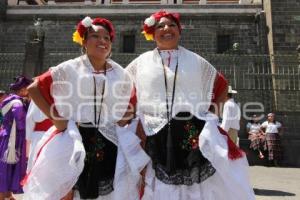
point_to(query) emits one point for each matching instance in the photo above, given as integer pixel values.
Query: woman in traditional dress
(37, 124)
(256, 136)
(272, 129)
(95, 92)
(12, 139)
(191, 158)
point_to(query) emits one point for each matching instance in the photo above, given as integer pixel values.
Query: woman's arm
(219, 93)
(248, 126)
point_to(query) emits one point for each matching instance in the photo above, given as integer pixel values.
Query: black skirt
(176, 158)
(99, 166)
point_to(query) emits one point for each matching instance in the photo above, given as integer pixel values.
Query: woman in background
(256, 136)
(37, 124)
(12, 139)
(272, 129)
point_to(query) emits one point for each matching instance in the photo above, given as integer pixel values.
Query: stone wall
(286, 25)
(3, 6)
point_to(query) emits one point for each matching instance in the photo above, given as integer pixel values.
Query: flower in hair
(87, 22)
(150, 21)
(77, 38)
(81, 28)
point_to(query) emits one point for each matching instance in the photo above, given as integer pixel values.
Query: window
(128, 43)
(223, 43)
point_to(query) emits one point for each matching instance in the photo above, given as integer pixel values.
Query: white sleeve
(226, 115)
(248, 126)
(264, 125)
(278, 125)
(131, 69)
(29, 121)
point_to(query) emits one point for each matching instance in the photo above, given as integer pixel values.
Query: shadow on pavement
(265, 192)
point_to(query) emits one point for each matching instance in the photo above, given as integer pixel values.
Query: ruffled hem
(57, 167)
(230, 182)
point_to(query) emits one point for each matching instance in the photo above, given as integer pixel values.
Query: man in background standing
(231, 116)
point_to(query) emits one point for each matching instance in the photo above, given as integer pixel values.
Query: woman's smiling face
(166, 34)
(98, 44)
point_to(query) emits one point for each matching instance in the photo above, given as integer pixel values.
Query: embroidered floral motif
(97, 150)
(191, 137)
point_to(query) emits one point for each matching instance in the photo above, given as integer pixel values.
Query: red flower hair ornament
(149, 23)
(88, 22)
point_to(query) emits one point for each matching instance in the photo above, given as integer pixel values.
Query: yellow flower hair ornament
(82, 27)
(77, 38)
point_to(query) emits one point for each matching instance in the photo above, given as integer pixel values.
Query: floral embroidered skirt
(188, 165)
(99, 166)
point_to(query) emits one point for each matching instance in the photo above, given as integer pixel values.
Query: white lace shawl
(193, 93)
(73, 93)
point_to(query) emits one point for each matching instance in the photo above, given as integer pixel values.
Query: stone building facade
(210, 28)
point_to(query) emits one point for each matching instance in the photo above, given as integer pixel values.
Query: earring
(109, 55)
(83, 50)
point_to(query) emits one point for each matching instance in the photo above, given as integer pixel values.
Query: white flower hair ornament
(150, 21)
(149, 28)
(96, 23)
(87, 22)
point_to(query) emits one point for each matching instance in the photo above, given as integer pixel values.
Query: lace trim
(74, 97)
(185, 176)
(148, 75)
(106, 187)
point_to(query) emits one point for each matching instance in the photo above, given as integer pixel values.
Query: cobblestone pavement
(272, 183)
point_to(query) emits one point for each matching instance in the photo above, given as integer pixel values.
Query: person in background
(256, 136)
(231, 116)
(37, 124)
(12, 139)
(272, 129)
(191, 158)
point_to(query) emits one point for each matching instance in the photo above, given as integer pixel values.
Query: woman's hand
(60, 124)
(69, 196)
(141, 134)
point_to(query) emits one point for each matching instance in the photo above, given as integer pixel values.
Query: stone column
(106, 2)
(34, 50)
(298, 50)
(202, 2)
(245, 2)
(22, 3)
(163, 1)
(257, 1)
(88, 2)
(3, 7)
(51, 2)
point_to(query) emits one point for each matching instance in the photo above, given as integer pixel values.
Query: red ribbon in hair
(98, 21)
(160, 14)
